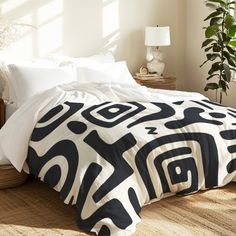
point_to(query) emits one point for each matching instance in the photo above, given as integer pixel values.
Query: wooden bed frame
(9, 176)
(2, 113)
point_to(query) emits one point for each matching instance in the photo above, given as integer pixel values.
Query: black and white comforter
(112, 158)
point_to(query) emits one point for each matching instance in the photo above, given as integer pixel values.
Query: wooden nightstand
(167, 82)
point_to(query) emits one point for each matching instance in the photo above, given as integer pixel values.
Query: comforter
(110, 150)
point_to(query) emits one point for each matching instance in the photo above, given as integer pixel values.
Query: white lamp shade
(157, 36)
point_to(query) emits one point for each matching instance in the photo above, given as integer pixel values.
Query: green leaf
(232, 43)
(211, 86)
(209, 77)
(231, 62)
(221, 2)
(213, 14)
(225, 37)
(221, 9)
(226, 54)
(214, 67)
(204, 63)
(211, 6)
(216, 20)
(223, 85)
(231, 50)
(229, 21)
(208, 48)
(211, 31)
(206, 42)
(232, 31)
(227, 72)
(216, 48)
(233, 58)
(212, 56)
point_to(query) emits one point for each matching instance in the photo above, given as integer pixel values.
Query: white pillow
(52, 60)
(26, 81)
(8, 93)
(116, 72)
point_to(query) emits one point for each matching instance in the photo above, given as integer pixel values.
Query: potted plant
(220, 45)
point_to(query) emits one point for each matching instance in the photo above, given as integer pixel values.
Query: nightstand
(167, 82)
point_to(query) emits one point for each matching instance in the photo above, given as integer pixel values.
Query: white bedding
(10, 109)
(15, 134)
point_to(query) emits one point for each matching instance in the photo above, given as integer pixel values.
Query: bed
(110, 146)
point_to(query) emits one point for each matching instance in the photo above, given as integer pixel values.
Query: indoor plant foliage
(220, 45)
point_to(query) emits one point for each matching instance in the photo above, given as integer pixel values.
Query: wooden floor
(34, 209)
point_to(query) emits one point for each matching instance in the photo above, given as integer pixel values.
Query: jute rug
(34, 209)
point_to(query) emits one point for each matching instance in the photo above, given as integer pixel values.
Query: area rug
(34, 209)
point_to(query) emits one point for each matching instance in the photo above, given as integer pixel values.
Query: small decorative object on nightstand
(155, 81)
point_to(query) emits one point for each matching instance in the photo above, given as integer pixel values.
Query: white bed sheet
(16, 133)
(10, 109)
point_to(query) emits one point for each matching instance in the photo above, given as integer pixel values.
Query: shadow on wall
(54, 20)
(46, 16)
(82, 28)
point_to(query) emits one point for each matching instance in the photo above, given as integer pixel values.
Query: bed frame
(2, 113)
(9, 176)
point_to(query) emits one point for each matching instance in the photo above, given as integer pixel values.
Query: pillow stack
(27, 79)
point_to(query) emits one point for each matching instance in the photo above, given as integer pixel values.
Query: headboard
(2, 113)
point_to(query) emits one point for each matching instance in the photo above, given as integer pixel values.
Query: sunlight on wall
(48, 17)
(50, 27)
(11, 5)
(23, 48)
(50, 37)
(111, 24)
(110, 18)
(46, 35)
(47, 12)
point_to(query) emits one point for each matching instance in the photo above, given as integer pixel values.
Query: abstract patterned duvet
(112, 158)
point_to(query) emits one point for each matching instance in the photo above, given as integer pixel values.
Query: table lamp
(154, 38)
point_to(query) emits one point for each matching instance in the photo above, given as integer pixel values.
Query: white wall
(85, 27)
(196, 76)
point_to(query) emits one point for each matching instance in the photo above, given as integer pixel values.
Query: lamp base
(156, 66)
